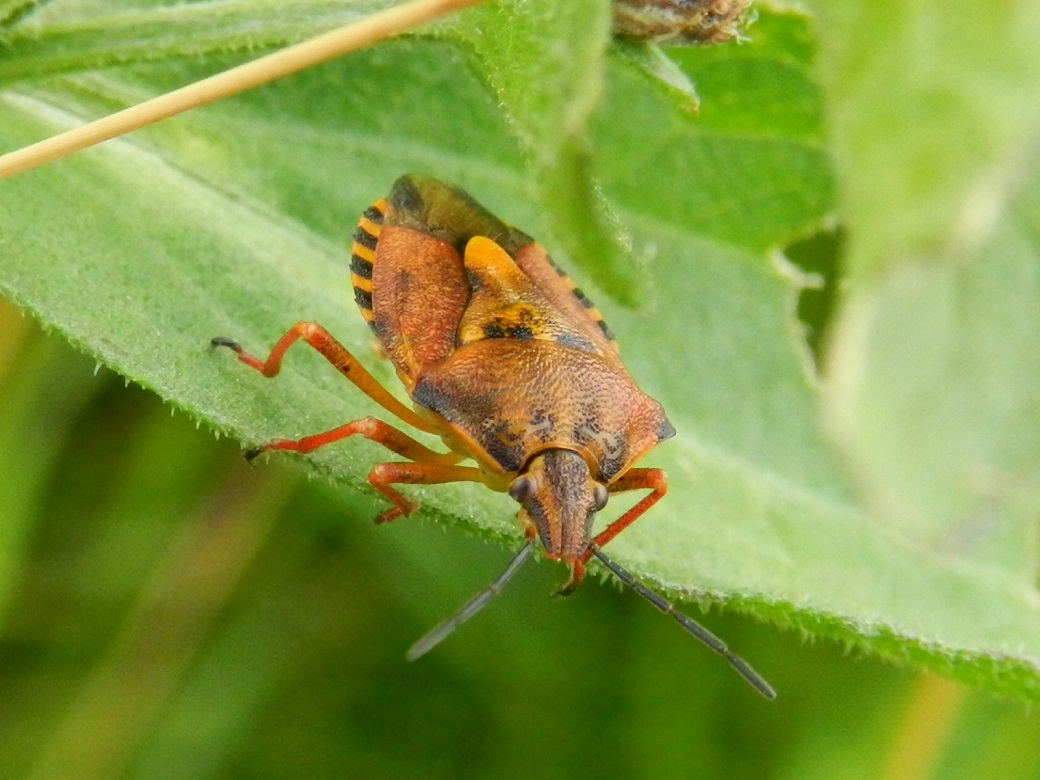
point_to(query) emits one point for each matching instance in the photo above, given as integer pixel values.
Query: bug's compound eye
(599, 497)
(522, 489)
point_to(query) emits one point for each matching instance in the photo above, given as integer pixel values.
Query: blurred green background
(170, 612)
(167, 611)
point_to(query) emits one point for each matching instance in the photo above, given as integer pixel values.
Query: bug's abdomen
(363, 256)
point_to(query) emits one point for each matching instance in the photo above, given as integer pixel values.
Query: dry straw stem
(283, 62)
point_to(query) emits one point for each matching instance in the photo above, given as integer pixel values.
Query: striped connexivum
(363, 254)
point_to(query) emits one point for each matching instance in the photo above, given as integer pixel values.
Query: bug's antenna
(471, 608)
(711, 641)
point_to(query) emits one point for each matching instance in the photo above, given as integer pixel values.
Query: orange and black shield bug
(511, 366)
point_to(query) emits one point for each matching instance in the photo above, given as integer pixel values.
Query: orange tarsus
(383, 475)
(653, 479)
(327, 345)
(577, 575)
(339, 356)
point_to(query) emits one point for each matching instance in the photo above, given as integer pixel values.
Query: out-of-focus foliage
(857, 462)
(170, 612)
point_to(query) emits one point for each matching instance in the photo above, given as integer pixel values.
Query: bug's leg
(428, 467)
(383, 475)
(653, 480)
(338, 355)
(373, 430)
(577, 575)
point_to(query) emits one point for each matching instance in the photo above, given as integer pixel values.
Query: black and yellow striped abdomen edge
(363, 255)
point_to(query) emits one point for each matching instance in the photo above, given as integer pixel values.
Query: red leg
(577, 575)
(373, 430)
(426, 466)
(383, 475)
(653, 480)
(334, 352)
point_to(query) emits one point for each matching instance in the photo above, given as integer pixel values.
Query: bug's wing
(448, 213)
(410, 287)
(453, 216)
(419, 293)
(506, 304)
(566, 296)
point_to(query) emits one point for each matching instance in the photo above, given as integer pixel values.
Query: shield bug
(511, 366)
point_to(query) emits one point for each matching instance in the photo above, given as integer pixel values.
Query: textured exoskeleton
(506, 359)
(511, 365)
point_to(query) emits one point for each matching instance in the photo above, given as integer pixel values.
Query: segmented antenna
(711, 641)
(471, 608)
(442, 631)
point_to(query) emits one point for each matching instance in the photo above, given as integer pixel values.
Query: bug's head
(559, 498)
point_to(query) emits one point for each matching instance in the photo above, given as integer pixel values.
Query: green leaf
(72, 36)
(663, 70)
(234, 221)
(933, 395)
(934, 114)
(543, 60)
(942, 425)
